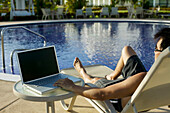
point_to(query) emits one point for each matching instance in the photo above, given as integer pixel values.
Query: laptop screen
(38, 63)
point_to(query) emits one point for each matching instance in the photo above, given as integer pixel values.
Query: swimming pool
(93, 42)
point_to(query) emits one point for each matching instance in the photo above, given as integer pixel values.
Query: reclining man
(118, 91)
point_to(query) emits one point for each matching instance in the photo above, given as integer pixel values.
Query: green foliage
(38, 5)
(72, 5)
(134, 2)
(57, 2)
(5, 6)
(114, 2)
(146, 4)
(5, 3)
(48, 5)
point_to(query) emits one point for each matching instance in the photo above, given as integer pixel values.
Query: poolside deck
(11, 104)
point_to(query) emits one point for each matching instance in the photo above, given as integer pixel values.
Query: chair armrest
(104, 105)
(91, 85)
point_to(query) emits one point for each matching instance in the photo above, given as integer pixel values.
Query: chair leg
(134, 108)
(95, 105)
(70, 106)
(42, 17)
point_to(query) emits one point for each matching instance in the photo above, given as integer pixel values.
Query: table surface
(57, 94)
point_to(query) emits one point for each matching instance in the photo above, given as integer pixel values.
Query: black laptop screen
(38, 63)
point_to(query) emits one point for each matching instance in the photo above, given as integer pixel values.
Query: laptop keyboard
(51, 80)
(43, 82)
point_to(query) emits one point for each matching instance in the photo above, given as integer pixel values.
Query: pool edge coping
(5, 24)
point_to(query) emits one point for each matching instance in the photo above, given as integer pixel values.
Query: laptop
(39, 69)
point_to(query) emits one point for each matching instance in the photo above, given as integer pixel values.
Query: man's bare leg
(86, 77)
(127, 52)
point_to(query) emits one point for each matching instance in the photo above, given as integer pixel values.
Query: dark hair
(165, 35)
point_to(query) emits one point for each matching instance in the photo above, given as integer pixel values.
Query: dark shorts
(132, 67)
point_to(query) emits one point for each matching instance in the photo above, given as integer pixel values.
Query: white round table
(56, 95)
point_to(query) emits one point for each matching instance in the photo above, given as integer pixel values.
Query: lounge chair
(114, 12)
(100, 71)
(104, 12)
(89, 12)
(149, 14)
(46, 13)
(139, 11)
(60, 13)
(18, 9)
(153, 91)
(66, 13)
(130, 12)
(79, 12)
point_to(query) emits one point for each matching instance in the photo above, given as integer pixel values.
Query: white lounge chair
(89, 12)
(104, 12)
(130, 12)
(46, 13)
(60, 13)
(139, 11)
(79, 12)
(18, 9)
(153, 91)
(114, 12)
(149, 14)
(66, 13)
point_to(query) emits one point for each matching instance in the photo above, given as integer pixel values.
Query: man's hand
(111, 76)
(65, 84)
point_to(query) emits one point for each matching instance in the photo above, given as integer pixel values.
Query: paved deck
(11, 104)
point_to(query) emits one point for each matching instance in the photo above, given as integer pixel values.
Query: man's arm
(119, 90)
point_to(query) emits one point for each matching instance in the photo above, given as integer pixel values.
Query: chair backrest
(60, 11)
(153, 91)
(45, 11)
(153, 10)
(20, 4)
(139, 10)
(79, 12)
(66, 11)
(88, 10)
(114, 11)
(105, 10)
(130, 9)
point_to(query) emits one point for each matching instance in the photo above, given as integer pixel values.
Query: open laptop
(39, 69)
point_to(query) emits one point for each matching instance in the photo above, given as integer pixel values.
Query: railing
(11, 59)
(2, 43)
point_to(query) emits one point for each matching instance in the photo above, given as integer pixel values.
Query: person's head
(163, 40)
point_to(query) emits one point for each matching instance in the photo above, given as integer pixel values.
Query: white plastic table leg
(70, 106)
(50, 104)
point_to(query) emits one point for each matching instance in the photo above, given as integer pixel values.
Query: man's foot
(78, 66)
(86, 77)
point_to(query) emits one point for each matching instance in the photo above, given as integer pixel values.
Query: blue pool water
(92, 42)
